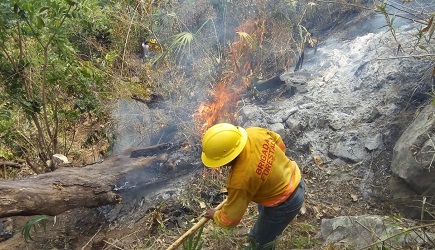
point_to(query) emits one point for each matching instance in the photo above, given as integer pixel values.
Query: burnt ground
(332, 190)
(153, 219)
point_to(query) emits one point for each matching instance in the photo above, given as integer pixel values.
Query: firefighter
(260, 172)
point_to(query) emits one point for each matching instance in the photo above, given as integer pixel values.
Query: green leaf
(40, 22)
(44, 9)
(74, 14)
(380, 8)
(392, 20)
(198, 241)
(423, 47)
(39, 220)
(194, 245)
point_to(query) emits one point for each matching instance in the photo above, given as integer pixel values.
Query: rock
(374, 114)
(307, 105)
(283, 115)
(252, 112)
(273, 82)
(59, 159)
(337, 120)
(414, 152)
(298, 77)
(277, 128)
(373, 143)
(295, 125)
(361, 231)
(6, 229)
(350, 147)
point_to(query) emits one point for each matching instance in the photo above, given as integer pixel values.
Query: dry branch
(397, 234)
(10, 164)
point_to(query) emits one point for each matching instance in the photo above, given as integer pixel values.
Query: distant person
(260, 172)
(145, 50)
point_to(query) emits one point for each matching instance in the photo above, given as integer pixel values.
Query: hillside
(340, 114)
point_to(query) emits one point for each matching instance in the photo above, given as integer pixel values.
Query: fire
(225, 94)
(221, 107)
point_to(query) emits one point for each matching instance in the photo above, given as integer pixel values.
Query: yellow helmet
(222, 143)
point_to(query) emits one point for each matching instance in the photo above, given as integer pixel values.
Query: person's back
(260, 172)
(263, 169)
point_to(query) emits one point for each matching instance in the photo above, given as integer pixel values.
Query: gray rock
(296, 77)
(361, 231)
(277, 128)
(306, 105)
(350, 148)
(338, 120)
(295, 125)
(374, 142)
(414, 152)
(6, 229)
(252, 112)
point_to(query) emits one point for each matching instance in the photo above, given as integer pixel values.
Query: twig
(368, 229)
(397, 234)
(423, 208)
(366, 8)
(127, 37)
(128, 235)
(10, 164)
(401, 57)
(433, 156)
(113, 245)
(428, 238)
(89, 241)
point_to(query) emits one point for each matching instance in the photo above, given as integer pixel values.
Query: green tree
(46, 88)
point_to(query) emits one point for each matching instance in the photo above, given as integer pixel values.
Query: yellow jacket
(261, 173)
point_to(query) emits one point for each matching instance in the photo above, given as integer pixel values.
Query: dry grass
(159, 233)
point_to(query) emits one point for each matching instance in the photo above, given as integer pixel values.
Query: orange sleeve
(232, 211)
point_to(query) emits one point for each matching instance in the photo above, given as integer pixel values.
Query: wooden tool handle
(193, 229)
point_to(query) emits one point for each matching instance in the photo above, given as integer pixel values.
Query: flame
(226, 93)
(221, 107)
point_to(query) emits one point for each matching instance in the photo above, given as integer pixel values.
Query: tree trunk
(70, 187)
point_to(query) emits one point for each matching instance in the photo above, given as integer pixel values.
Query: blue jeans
(272, 221)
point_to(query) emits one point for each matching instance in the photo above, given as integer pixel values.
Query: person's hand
(209, 213)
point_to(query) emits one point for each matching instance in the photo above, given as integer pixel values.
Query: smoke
(199, 70)
(220, 59)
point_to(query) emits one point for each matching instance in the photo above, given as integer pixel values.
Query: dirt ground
(332, 190)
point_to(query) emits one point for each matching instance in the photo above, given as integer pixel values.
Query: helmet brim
(222, 161)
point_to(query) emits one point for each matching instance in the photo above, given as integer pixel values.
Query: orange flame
(222, 106)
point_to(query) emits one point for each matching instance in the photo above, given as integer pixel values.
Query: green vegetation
(35, 222)
(64, 63)
(47, 88)
(194, 242)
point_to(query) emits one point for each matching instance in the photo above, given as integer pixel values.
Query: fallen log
(69, 187)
